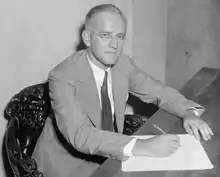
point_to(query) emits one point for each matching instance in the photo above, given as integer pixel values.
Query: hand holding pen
(157, 146)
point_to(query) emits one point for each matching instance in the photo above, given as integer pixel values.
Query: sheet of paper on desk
(190, 156)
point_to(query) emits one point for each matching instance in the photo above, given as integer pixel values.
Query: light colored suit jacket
(75, 101)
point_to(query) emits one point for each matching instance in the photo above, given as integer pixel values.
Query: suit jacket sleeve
(76, 127)
(150, 90)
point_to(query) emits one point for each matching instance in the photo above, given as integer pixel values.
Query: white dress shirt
(99, 77)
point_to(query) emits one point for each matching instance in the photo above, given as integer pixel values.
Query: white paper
(190, 156)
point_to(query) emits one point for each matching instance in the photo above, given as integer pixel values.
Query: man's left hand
(196, 126)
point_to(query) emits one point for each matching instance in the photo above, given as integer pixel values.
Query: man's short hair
(103, 8)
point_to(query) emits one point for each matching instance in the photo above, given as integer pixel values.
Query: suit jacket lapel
(86, 91)
(120, 91)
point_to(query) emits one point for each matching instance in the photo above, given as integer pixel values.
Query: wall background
(193, 38)
(170, 39)
(150, 36)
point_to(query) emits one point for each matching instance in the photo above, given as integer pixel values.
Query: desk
(203, 88)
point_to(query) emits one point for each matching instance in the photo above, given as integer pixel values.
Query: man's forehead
(108, 20)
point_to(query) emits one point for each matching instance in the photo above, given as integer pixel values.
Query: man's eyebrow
(110, 32)
(121, 34)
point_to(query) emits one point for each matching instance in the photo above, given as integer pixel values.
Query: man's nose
(114, 42)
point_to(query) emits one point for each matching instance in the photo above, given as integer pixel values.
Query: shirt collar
(98, 72)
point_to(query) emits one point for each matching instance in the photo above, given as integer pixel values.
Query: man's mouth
(111, 52)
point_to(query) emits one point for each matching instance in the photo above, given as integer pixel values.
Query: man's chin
(113, 62)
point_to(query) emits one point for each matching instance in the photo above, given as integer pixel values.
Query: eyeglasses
(107, 37)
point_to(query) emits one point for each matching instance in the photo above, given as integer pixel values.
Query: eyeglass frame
(107, 36)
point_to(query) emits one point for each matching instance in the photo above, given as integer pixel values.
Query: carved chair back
(26, 113)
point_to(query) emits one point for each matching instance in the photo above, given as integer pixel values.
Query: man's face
(106, 38)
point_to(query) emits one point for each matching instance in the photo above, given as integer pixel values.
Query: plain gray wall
(193, 38)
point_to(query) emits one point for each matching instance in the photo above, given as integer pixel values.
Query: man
(92, 85)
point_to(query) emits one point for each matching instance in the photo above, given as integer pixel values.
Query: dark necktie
(107, 123)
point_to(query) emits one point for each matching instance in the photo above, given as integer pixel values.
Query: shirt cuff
(128, 148)
(197, 110)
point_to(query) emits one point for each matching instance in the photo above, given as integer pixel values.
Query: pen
(158, 128)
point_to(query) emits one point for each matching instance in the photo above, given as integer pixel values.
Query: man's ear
(86, 37)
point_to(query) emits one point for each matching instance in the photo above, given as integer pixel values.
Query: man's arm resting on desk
(150, 90)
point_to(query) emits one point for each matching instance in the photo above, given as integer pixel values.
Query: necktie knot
(105, 80)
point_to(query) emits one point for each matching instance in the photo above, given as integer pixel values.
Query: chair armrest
(20, 165)
(132, 123)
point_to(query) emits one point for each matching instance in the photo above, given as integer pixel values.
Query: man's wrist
(129, 147)
(190, 113)
(194, 111)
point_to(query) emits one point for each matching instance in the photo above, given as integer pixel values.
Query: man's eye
(121, 37)
(107, 36)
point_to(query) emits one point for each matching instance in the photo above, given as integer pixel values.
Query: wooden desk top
(203, 88)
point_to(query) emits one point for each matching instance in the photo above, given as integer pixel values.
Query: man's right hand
(157, 146)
